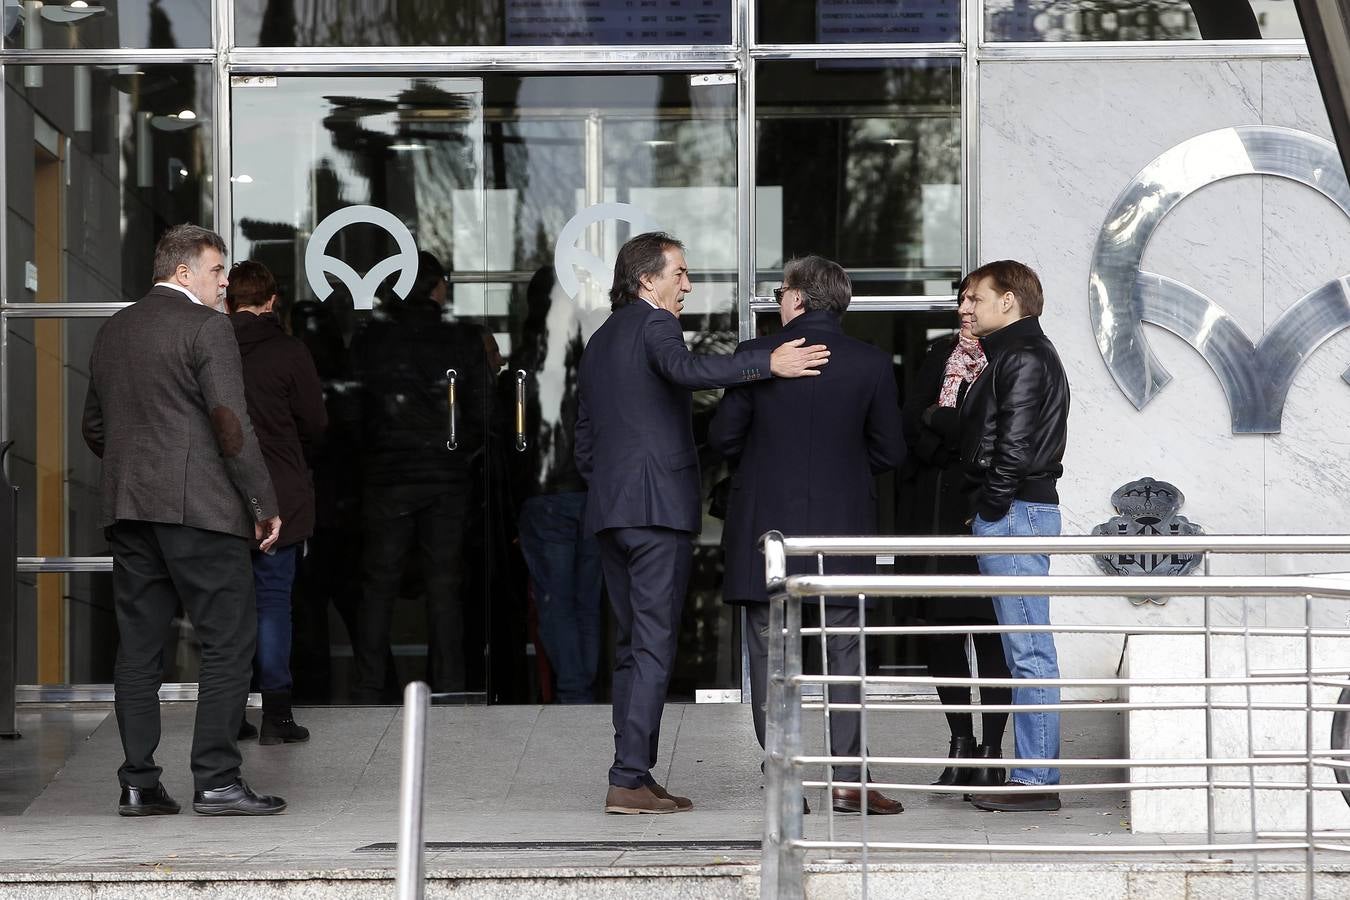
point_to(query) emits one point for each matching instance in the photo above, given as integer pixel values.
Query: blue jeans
(564, 562)
(1029, 654)
(272, 579)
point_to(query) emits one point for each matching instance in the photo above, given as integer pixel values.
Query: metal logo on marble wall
(1255, 375)
(1148, 507)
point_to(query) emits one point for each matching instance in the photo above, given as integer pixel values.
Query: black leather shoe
(153, 801)
(247, 732)
(235, 799)
(961, 748)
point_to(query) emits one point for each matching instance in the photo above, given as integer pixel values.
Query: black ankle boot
(278, 724)
(987, 777)
(961, 748)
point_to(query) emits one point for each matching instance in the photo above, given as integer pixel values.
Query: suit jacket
(635, 436)
(805, 452)
(166, 413)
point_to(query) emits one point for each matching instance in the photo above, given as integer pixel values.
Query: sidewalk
(502, 781)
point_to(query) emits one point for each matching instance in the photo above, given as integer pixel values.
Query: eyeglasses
(779, 291)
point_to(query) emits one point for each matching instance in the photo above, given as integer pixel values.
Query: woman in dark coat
(931, 421)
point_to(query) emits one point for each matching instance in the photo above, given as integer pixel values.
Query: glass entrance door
(522, 189)
(575, 166)
(363, 195)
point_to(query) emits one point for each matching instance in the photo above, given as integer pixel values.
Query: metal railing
(785, 846)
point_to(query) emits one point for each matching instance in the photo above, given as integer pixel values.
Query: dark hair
(183, 245)
(251, 286)
(642, 255)
(823, 283)
(1012, 277)
(430, 273)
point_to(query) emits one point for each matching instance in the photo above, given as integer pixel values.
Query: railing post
(780, 861)
(415, 701)
(791, 877)
(9, 600)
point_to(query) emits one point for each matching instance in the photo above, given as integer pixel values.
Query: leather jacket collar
(1027, 326)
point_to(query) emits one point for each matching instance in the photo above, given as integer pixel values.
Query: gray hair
(183, 245)
(823, 283)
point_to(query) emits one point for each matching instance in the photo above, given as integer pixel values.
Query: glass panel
(358, 193)
(905, 336)
(466, 23)
(859, 21)
(104, 24)
(1140, 20)
(69, 618)
(628, 154)
(861, 162)
(100, 160)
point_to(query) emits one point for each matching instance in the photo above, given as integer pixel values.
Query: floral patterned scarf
(964, 365)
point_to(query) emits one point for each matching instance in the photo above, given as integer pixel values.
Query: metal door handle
(450, 376)
(520, 411)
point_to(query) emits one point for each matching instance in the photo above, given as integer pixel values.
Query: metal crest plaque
(1255, 375)
(1148, 507)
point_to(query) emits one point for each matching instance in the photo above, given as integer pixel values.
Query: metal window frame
(740, 56)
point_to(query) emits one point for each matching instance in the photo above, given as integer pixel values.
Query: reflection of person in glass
(804, 455)
(932, 422)
(417, 482)
(285, 402)
(635, 448)
(562, 556)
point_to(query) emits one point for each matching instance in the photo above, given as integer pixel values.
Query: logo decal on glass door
(568, 257)
(319, 265)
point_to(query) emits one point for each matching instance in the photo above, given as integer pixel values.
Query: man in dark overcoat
(805, 454)
(635, 448)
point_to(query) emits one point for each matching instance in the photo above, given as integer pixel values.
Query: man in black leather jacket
(1013, 431)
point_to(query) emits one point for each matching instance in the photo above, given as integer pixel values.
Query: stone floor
(503, 782)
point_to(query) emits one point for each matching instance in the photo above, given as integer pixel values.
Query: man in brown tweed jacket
(185, 493)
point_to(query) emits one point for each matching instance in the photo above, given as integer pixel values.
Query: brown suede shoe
(636, 801)
(1028, 802)
(878, 804)
(682, 804)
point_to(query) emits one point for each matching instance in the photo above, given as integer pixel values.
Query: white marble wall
(1058, 141)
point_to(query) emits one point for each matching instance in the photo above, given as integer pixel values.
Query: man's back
(806, 450)
(285, 404)
(167, 414)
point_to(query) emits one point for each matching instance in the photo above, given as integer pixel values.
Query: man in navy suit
(635, 448)
(805, 453)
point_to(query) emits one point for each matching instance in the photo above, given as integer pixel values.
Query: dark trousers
(841, 657)
(155, 567)
(946, 658)
(273, 576)
(647, 573)
(398, 519)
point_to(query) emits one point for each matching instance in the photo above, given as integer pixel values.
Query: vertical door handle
(520, 411)
(450, 377)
